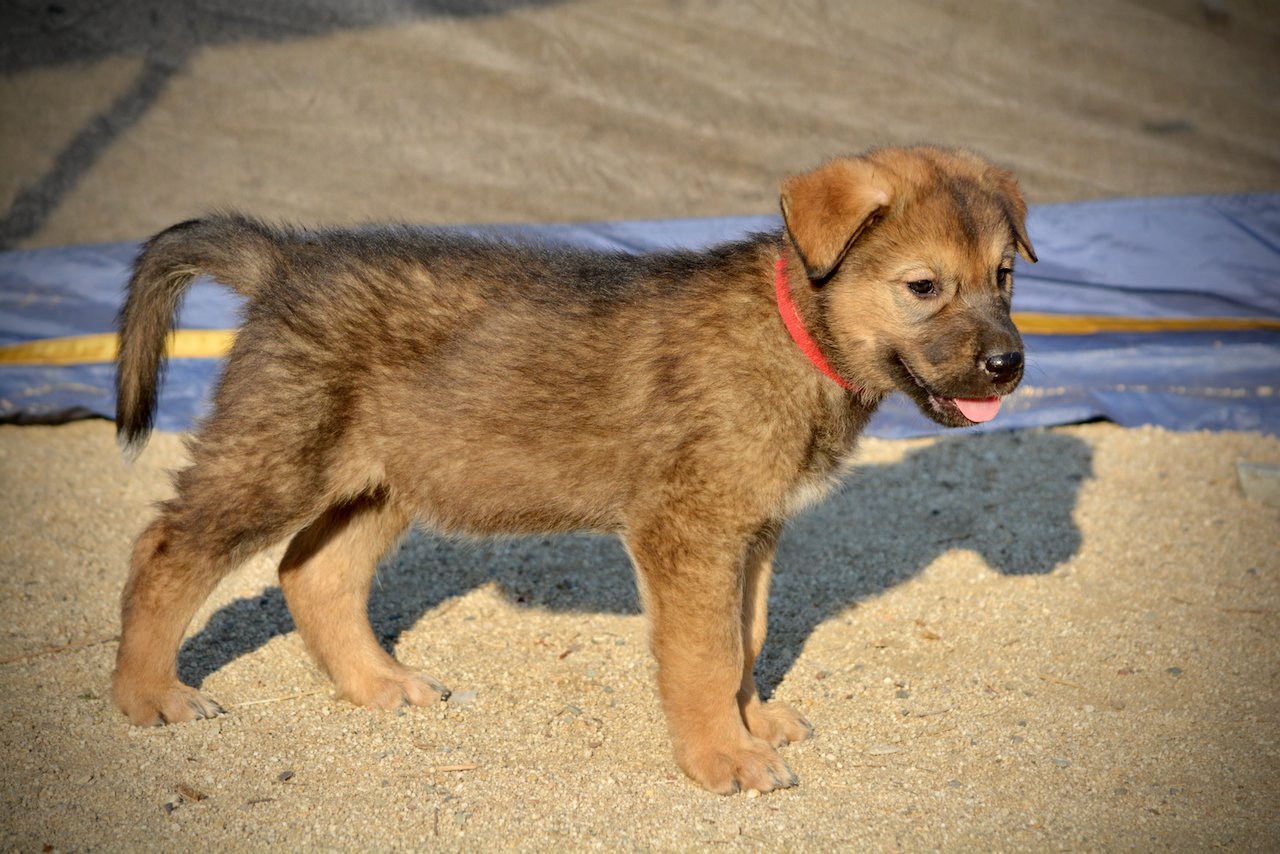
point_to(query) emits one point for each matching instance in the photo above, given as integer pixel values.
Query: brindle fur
(390, 375)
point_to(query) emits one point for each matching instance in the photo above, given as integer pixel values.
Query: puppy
(688, 402)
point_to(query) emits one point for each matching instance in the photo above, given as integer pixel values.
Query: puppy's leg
(692, 588)
(325, 575)
(775, 722)
(170, 577)
(225, 510)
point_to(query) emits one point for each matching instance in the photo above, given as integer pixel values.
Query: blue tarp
(1202, 257)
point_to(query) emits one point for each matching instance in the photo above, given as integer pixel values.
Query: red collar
(795, 326)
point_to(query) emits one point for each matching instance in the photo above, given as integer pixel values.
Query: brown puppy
(677, 400)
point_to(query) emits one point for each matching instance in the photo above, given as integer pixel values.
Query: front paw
(727, 769)
(775, 722)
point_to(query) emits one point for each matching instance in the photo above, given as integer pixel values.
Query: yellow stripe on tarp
(216, 343)
(87, 349)
(1037, 323)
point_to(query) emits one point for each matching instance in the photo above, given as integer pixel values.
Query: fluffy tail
(239, 252)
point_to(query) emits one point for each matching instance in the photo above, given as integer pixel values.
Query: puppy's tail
(239, 252)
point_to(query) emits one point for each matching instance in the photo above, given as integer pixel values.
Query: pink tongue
(978, 409)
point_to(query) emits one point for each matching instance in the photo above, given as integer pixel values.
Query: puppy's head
(909, 256)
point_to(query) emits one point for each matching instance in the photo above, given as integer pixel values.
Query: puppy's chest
(829, 457)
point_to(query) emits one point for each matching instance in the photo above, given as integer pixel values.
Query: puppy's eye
(1003, 276)
(923, 287)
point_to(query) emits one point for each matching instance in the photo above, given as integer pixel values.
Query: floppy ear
(825, 210)
(1015, 208)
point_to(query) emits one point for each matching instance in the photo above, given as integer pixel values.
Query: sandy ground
(1050, 640)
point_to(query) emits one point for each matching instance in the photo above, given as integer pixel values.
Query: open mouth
(974, 409)
(951, 411)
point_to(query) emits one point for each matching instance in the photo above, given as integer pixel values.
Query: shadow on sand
(887, 524)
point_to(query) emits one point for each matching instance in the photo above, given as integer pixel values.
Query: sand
(1059, 639)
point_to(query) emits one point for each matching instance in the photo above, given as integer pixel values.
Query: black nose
(1003, 366)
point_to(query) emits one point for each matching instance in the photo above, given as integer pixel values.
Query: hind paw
(391, 690)
(167, 704)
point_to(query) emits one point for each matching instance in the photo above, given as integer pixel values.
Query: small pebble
(1062, 763)
(1260, 482)
(461, 698)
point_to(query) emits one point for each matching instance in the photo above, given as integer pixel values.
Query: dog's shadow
(1007, 496)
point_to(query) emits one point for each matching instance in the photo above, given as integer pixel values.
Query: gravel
(1055, 632)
